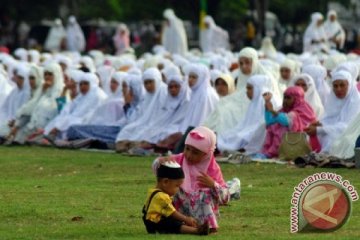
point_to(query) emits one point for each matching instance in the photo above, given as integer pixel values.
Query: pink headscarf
(203, 139)
(358, 86)
(121, 38)
(304, 114)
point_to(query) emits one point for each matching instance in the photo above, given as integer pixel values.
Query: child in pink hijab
(204, 188)
(295, 116)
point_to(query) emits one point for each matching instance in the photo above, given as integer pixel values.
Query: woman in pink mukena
(295, 116)
(204, 188)
(121, 39)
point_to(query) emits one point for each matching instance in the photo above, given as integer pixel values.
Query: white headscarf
(111, 111)
(119, 77)
(150, 107)
(213, 37)
(257, 68)
(179, 61)
(17, 97)
(229, 81)
(319, 74)
(203, 99)
(338, 112)
(21, 54)
(75, 36)
(46, 108)
(184, 95)
(171, 70)
(75, 75)
(28, 107)
(173, 112)
(35, 56)
(105, 74)
(314, 32)
(273, 70)
(136, 86)
(220, 63)
(10, 64)
(268, 48)
(231, 109)
(88, 62)
(80, 109)
(215, 74)
(98, 56)
(55, 37)
(311, 95)
(350, 67)
(334, 29)
(108, 114)
(292, 66)
(333, 60)
(62, 59)
(174, 37)
(5, 87)
(250, 132)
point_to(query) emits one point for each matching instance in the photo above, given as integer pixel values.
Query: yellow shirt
(161, 205)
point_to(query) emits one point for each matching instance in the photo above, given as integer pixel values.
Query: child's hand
(311, 130)
(316, 124)
(11, 123)
(166, 159)
(189, 221)
(267, 96)
(269, 106)
(206, 180)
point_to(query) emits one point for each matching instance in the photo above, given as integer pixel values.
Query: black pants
(165, 225)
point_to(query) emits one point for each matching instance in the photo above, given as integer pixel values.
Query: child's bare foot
(203, 229)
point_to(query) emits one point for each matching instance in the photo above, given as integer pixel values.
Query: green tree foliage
(233, 10)
(226, 12)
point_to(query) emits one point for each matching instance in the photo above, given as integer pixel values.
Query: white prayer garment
(75, 39)
(319, 74)
(174, 37)
(56, 35)
(334, 30)
(315, 38)
(173, 112)
(251, 131)
(149, 108)
(213, 37)
(231, 109)
(203, 98)
(80, 109)
(339, 113)
(311, 95)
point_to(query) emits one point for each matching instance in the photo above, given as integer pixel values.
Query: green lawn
(42, 189)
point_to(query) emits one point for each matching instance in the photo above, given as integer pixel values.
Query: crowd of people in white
(249, 98)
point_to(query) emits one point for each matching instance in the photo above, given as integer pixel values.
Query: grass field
(42, 189)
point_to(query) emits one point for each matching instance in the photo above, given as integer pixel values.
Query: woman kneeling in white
(78, 110)
(249, 134)
(342, 107)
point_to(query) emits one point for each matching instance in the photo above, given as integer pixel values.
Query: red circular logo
(326, 206)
